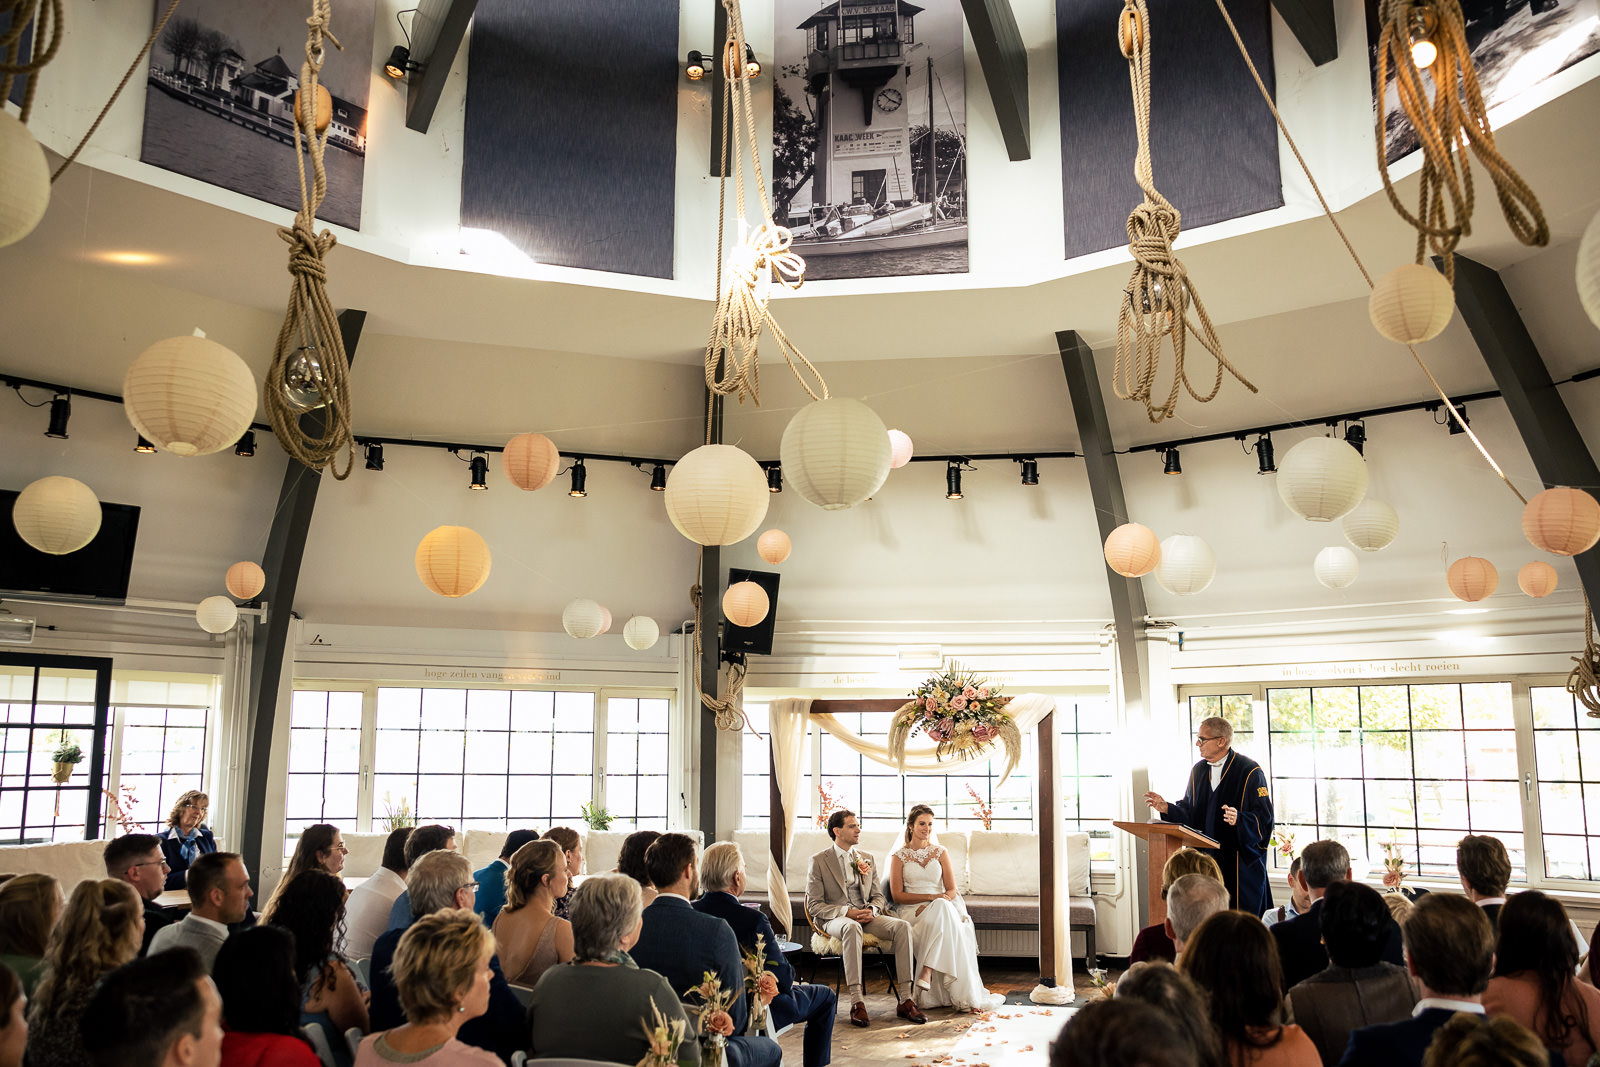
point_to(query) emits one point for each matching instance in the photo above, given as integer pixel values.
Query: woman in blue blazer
(185, 838)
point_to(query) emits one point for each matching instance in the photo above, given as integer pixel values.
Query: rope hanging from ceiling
(1584, 681)
(1448, 124)
(45, 18)
(1155, 304)
(728, 710)
(310, 353)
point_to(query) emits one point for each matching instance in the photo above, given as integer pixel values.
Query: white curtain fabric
(1028, 710)
(788, 726)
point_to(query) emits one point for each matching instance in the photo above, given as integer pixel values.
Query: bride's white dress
(942, 937)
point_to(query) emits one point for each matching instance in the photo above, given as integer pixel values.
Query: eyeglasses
(341, 847)
(150, 863)
(1201, 739)
(468, 885)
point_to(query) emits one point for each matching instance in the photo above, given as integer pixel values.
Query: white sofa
(70, 862)
(482, 847)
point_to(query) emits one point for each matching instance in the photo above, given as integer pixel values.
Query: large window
(1566, 745)
(158, 744)
(45, 707)
(637, 752)
(324, 759)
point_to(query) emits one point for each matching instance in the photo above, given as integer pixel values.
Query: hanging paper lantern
(24, 180)
(899, 449)
(1472, 578)
(641, 632)
(245, 579)
(531, 461)
(1322, 478)
(1132, 550)
(189, 396)
(582, 618)
(1538, 579)
(216, 614)
(605, 620)
(56, 515)
(1187, 565)
(745, 603)
(1562, 521)
(717, 495)
(1411, 304)
(774, 546)
(1371, 525)
(1588, 270)
(1336, 567)
(835, 453)
(453, 561)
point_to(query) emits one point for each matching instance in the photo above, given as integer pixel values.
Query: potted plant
(597, 817)
(67, 755)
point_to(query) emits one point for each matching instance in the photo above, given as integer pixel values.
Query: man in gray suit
(845, 900)
(219, 894)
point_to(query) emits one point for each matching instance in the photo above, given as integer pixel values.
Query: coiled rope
(727, 710)
(1450, 123)
(1584, 681)
(310, 326)
(1155, 303)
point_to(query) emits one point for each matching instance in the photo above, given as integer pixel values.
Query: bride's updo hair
(911, 819)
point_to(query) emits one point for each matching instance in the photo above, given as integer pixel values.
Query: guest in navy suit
(1485, 870)
(683, 945)
(1300, 947)
(492, 879)
(722, 876)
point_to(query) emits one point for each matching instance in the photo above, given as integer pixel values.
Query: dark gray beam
(286, 547)
(1004, 60)
(710, 652)
(1312, 23)
(720, 130)
(1552, 438)
(437, 31)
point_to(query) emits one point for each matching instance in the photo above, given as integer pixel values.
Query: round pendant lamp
(245, 579)
(899, 449)
(1371, 525)
(1562, 521)
(531, 461)
(24, 180)
(216, 614)
(745, 603)
(1187, 565)
(717, 495)
(1471, 578)
(1132, 550)
(1538, 579)
(774, 546)
(189, 396)
(1588, 270)
(453, 561)
(582, 618)
(1322, 478)
(836, 453)
(640, 632)
(56, 515)
(1411, 304)
(1336, 567)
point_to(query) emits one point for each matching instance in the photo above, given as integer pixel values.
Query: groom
(844, 900)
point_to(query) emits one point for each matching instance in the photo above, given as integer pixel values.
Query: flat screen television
(98, 570)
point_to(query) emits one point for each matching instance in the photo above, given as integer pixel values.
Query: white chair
(352, 1037)
(363, 968)
(519, 1058)
(319, 1043)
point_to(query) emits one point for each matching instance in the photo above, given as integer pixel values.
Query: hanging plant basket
(61, 772)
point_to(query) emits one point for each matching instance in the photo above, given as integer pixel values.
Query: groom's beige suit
(833, 887)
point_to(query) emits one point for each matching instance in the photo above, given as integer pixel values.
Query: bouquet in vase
(1283, 842)
(960, 713)
(760, 983)
(1394, 865)
(663, 1036)
(713, 1024)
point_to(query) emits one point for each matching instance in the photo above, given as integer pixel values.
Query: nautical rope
(1366, 275)
(310, 324)
(1451, 122)
(46, 22)
(1155, 303)
(729, 710)
(1584, 681)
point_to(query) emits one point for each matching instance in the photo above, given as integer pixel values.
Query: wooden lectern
(1163, 839)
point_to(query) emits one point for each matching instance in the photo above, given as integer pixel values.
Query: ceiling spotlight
(374, 455)
(775, 478)
(60, 412)
(1264, 458)
(696, 67)
(952, 481)
(144, 447)
(1169, 463)
(752, 69)
(579, 475)
(246, 445)
(1030, 472)
(1355, 435)
(480, 471)
(399, 63)
(1455, 426)
(658, 478)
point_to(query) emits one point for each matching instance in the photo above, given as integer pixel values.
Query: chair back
(518, 1058)
(352, 1037)
(363, 968)
(524, 993)
(319, 1043)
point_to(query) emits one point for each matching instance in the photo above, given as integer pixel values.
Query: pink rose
(929, 703)
(958, 704)
(982, 732)
(983, 693)
(969, 692)
(934, 734)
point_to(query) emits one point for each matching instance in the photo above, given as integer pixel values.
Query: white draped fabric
(1027, 710)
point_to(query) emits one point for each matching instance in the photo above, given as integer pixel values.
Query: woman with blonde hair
(531, 937)
(101, 929)
(30, 907)
(441, 970)
(186, 837)
(321, 848)
(1153, 942)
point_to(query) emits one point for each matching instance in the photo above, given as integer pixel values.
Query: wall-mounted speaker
(752, 640)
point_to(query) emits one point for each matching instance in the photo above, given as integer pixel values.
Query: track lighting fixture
(144, 447)
(1265, 462)
(60, 412)
(480, 471)
(374, 455)
(696, 67)
(1455, 426)
(775, 478)
(952, 481)
(1355, 435)
(1170, 463)
(1030, 472)
(658, 478)
(246, 445)
(579, 475)
(752, 68)
(399, 64)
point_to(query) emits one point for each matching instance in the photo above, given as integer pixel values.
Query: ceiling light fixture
(775, 478)
(1457, 427)
(1355, 435)
(480, 471)
(1030, 471)
(1265, 461)
(60, 412)
(1423, 24)
(1169, 464)
(374, 455)
(658, 478)
(246, 445)
(752, 68)
(952, 481)
(696, 67)
(399, 63)
(144, 447)
(579, 476)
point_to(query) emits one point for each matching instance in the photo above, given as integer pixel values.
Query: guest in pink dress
(441, 969)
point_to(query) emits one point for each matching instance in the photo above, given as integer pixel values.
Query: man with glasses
(1228, 800)
(137, 860)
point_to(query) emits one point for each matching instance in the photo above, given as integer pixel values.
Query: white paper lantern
(835, 453)
(1371, 525)
(1589, 270)
(745, 603)
(1411, 304)
(189, 396)
(582, 618)
(56, 515)
(1187, 565)
(24, 180)
(641, 632)
(1322, 478)
(1132, 550)
(216, 614)
(774, 546)
(717, 495)
(899, 449)
(453, 561)
(1336, 567)
(245, 579)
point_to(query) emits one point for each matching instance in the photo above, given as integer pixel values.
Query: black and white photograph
(220, 107)
(870, 136)
(1516, 44)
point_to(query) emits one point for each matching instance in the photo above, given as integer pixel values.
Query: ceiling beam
(1004, 59)
(437, 31)
(1312, 23)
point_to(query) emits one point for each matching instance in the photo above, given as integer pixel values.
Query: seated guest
(572, 845)
(1192, 900)
(441, 968)
(219, 894)
(14, 1028)
(1180, 1002)
(1476, 1041)
(1300, 939)
(442, 880)
(311, 907)
(1120, 1033)
(186, 836)
(1534, 963)
(30, 907)
(1233, 958)
(261, 1001)
(1299, 898)
(630, 861)
(366, 912)
(1357, 988)
(723, 878)
(321, 848)
(1153, 942)
(684, 945)
(603, 986)
(100, 930)
(492, 879)
(137, 860)
(1485, 870)
(531, 939)
(157, 1012)
(423, 840)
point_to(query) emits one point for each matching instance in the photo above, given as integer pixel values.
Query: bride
(924, 885)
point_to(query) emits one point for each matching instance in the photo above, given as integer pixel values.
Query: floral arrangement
(1105, 987)
(713, 1023)
(596, 817)
(960, 713)
(983, 811)
(398, 815)
(759, 982)
(827, 803)
(1394, 865)
(119, 810)
(664, 1036)
(1283, 842)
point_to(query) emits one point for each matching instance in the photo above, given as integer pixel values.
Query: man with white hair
(1192, 900)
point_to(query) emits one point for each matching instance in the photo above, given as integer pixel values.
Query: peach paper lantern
(1471, 578)
(1538, 579)
(717, 495)
(899, 449)
(1133, 550)
(745, 603)
(774, 546)
(56, 515)
(216, 614)
(1411, 304)
(189, 396)
(640, 632)
(605, 620)
(1562, 521)
(531, 461)
(245, 579)
(582, 618)
(453, 561)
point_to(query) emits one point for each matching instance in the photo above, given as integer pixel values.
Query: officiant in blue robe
(1230, 801)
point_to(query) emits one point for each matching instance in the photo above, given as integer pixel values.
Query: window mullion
(1528, 783)
(369, 744)
(602, 744)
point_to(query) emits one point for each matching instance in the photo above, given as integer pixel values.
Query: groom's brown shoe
(858, 1014)
(909, 1011)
